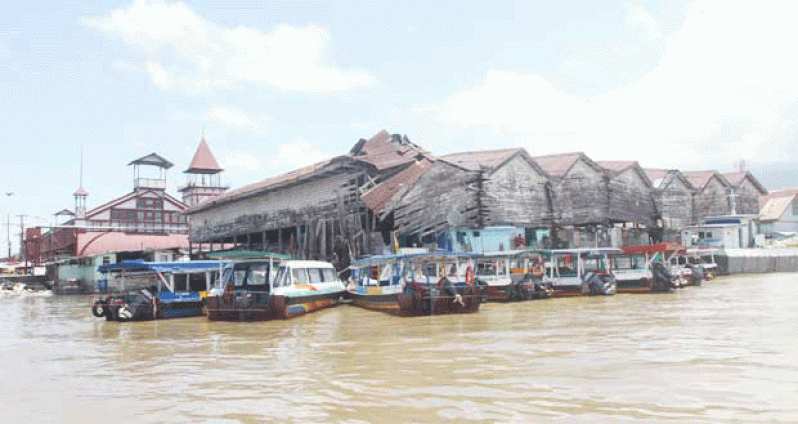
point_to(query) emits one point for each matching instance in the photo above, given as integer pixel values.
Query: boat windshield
(258, 277)
(281, 279)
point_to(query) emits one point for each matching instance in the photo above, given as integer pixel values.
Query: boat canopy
(165, 267)
(246, 254)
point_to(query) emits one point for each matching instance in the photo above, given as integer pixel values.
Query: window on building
(795, 206)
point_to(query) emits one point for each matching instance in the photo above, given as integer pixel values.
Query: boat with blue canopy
(144, 291)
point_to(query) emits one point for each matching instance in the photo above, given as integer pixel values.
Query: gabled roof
(558, 165)
(738, 177)
(152, 159)
(385, 151)
(490, 160)
(65, 212)
(380, 198)
(161, 194)
(620, 166)
(775, 204)
(659, 177)
(699, 179)
(203, 161)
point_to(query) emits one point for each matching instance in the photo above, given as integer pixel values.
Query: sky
(278, 85)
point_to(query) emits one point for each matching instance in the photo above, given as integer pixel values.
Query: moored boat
(512, 276)
(417, 284)
(260, 289)
(580, 272)
(154, 290)
(647, 268)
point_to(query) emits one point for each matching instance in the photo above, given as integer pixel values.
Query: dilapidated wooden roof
(311, 172)
(385, 151)
(381, 197)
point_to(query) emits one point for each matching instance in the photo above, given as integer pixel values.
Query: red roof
(656, 174)
(94, 243)
(474, 161)
(382, 195)
(736, 179)
(700, 178)
(617, 165)
(203, 162)
(559, 164)
(386, 151)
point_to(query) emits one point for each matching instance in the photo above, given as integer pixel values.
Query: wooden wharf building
(387, 187)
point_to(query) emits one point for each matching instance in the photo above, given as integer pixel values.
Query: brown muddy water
(724, 352)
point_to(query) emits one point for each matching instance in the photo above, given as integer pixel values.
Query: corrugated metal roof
(203, 161)
(474, 161)
(379, 198)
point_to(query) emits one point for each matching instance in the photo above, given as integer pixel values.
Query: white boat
(259, 289)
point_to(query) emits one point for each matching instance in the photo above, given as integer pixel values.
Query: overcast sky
(278, 85)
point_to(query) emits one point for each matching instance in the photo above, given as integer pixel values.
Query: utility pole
(22, 248)
(8, 234)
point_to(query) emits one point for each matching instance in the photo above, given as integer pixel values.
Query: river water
(724, 352)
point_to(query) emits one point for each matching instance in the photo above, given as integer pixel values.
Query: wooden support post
(249, 241)
(280, 240)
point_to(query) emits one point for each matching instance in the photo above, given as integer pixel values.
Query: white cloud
(298, 154)
(724, 88)
(240, 162)
(186, 52)
(237, 120)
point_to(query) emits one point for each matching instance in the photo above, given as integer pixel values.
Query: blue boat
(148, 290)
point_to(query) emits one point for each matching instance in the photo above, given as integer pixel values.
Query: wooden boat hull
(517, 292)
(262, 306)
(386, 302)
(138, 307)
(421, 300)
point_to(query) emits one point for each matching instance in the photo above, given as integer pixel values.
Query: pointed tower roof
(81, 192)
(203, 162)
